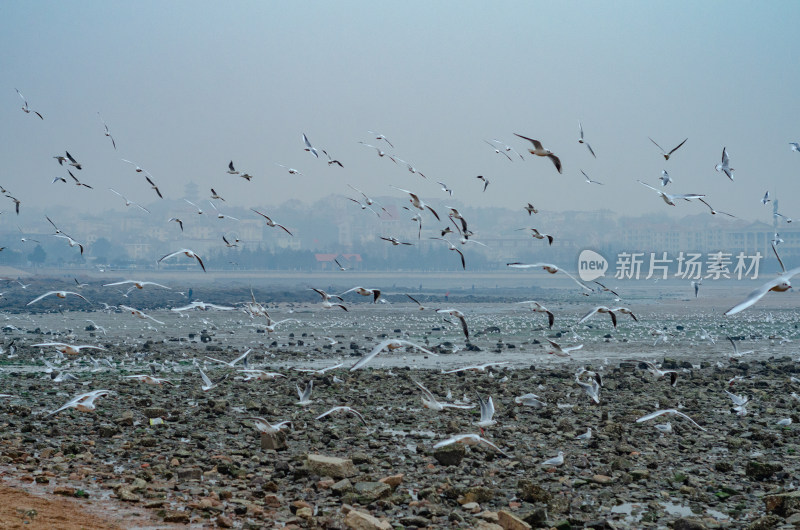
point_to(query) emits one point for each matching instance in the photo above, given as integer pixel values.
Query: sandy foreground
(172, 454)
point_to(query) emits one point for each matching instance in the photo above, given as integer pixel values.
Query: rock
(450, 455)
(330, 466)
(368, 492)
(393, 480)
(342, 487)
(305, 513)
(357, 520)
(537, 518)
(176, 517)
(126, 419)
(760, 470)
(155, 412)
(602, 479)
(472, 507)
(126, 494)
(533, 493)
(417, 521)
(687, 524)
(783, 504)
(275, 441)
(509, 521)
(767, 522)
(64, 490)
(224, 522)
(477, 494)
(193, 473)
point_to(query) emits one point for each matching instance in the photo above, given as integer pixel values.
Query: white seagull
(667, 155)
(59, 294)
(139, 314)
(665, 178)
(667, 411)
(549, 267)
(669, 198)
(539, 150)
(346, 410)
(188, 253)
(459, 315)
(388, 344)
(725, 165)
(83, 402)
(136, 283)
(582, 141)
(780, 284)
(25, 108)
(536, 307)
(469, 439)
(128, 202)
(561, 351)
(308, 147)
(429, 400)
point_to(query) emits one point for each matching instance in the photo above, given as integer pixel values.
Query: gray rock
(450, 455)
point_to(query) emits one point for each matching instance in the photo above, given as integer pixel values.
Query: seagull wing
(678, 146)
(659, 147)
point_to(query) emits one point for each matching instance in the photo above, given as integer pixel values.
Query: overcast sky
(187, 86)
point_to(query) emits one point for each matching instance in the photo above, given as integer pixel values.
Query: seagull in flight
(725, 165)
(469, 439)
(531, 209)
(331, 161)
(107, 132)
(429, 400)
(668, 411)
(153, 186)
(549, 267)
(715, 212)
(139, 314)
(669, 198)
(794, 146)
(291, 170)
(599, 309)
(453, 247)
(780, 284)
(308, 147)
(68, 349)
(136, 283)
(582, 141)
(305, 394)
(25, 108)
(128, 202)
(418, 203)
(539, 150)
(766, 198)
(536, 307)
(460, 316)
(326, 303)
(665, 178)
(475, 367)
(590, 181)
(379, 136)
(216, 196)
(272, 223)
(538, 235)
(562, 351)
(388, 344)
(375, 293)
(188, 253)
(659, 373)
(347, 410)
(232, 364)
(208, 384)
(180, 223)
(266, 427)
(507, 148)
(72, 162)
(667, 155)
(485, 182)
(59, 294)
(498, 151)
(83, 402)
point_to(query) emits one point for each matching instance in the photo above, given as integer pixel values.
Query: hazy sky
(187, 86)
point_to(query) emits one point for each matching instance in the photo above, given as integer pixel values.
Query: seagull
(188, 253)
(725, 166)
(606, 289)
(766, 198)
(667, 155)
(599, 309)
(199, 210)
(390, 344)
(135, 166)
(590, 181)
(539, 150)
(139, 314)
(153, 186)
(625, 311)
(208, 384)
(538, 235)
(231, 364)
(714, 212)
(549, 267)
(272, 223)
(259, 375)
(794, 146)
(555, 461)
(453, 247)
(429, 400)
(26, 239)
(418, 203)
(658, 373)
(485, 182)
(149, 379)
(16, 201)
(530, 400)
(59, 294)
(326, 303)
(232, 171)
(498, 151)
(375, 293)
(459, 315)
(57, 178)
(346, 410)
(507, 148)
(531, 209)
(363, 206)
(487, 413)
(331, 161)
(736, 353)
(291, 170)
(469, 439)
(780, 284)
(83, 402)
(562, 351)
(341, 268)
(585, 436)
(670, 199)
(381, 153)
(137, 283)
(475, 367)
(787, 219)
(107, 132)
(394, 241)
(68, 349)
(448, 190)
(72, 242)
(72, 162)
(582, 141)
(266, 427)
(128, 202)
(228, 243)
(379, 136)
(25, 108)
(739, 403)
(421, 307)
(305, 395)
(203, 306)
(320, 371)
(536, 307)
(180, 223)
(667, 411)
(665, 178)
(309, 147)
(221, 215)
(216, 196)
